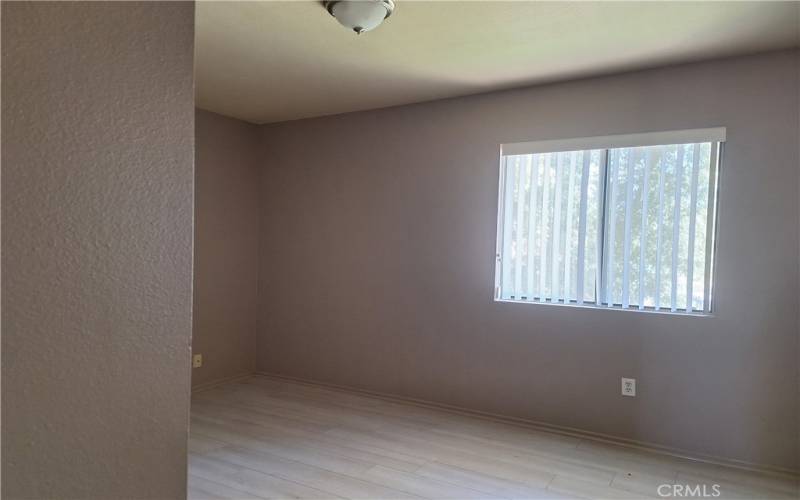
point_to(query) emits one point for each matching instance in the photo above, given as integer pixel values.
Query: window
(623, 222)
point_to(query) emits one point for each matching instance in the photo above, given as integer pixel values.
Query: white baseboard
(214, 383)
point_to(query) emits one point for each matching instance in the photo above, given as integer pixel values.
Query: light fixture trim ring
(387, 4)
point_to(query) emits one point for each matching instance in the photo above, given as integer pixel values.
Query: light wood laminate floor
(264, 438)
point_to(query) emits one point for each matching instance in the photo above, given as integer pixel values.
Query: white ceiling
(273, 61)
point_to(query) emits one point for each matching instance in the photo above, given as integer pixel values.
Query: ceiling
(273, 61)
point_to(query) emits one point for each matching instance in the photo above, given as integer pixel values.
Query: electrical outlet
(628, 386)
(197, 361)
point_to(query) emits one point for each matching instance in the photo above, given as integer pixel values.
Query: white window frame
(715, 135)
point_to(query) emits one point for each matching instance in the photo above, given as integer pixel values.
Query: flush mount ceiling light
(360, 15)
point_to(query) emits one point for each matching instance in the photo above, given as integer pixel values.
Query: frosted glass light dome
(360, 15)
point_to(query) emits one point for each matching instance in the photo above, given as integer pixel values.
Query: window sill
(649, 310)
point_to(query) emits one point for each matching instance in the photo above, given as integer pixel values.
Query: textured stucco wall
(378, 251)
(227, 173)
(97, 189)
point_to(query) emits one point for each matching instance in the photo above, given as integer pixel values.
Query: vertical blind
(625, 227)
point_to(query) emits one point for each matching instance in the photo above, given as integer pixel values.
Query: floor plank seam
(337, 473)
(283, 478)
(226, 486)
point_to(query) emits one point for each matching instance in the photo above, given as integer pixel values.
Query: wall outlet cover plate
(628, 386)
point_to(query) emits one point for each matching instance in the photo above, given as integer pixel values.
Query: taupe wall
(97, 148)
(377, 261)
(226, 247)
